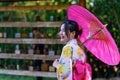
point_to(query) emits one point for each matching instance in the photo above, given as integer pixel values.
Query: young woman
(72, 63)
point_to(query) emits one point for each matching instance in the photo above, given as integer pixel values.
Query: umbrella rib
(92, 36)
(109, 50)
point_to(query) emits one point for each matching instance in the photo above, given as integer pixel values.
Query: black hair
(71, 26)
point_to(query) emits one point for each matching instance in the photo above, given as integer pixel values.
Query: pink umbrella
(95, 37)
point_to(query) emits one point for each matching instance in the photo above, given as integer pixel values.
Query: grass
(14, 77)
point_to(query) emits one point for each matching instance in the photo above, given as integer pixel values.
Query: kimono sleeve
(64, 68)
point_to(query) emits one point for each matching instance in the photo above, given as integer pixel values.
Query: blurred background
(18, 18)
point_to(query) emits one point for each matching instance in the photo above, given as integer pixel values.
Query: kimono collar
(72, 41)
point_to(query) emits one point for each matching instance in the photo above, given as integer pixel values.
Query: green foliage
(13, 77)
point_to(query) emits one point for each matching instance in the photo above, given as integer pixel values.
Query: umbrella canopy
(95, 37)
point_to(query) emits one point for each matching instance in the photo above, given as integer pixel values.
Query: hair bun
(80, 32)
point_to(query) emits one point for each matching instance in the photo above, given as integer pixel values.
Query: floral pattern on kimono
(70, 53)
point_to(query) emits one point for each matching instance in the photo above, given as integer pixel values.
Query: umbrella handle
(92, 36)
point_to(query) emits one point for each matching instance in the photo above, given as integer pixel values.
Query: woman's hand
(55, 63)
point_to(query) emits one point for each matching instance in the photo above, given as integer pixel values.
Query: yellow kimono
(70, 53)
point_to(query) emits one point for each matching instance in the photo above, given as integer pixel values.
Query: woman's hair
(71, 26)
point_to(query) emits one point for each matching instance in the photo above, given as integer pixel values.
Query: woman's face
(63, 36)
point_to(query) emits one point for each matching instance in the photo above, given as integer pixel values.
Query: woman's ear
(72, 34)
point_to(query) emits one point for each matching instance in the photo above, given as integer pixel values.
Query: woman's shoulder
(67, 46)
(72, 46)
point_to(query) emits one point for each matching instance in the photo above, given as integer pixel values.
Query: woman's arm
(64, 66)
